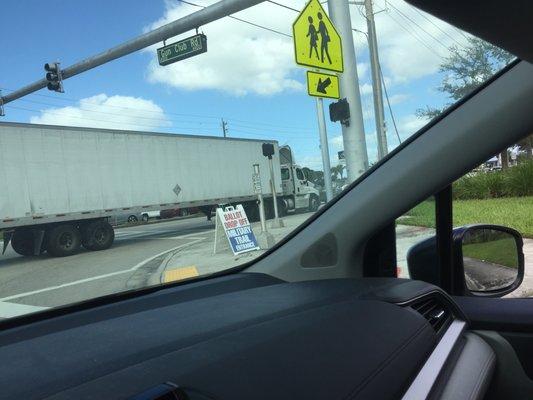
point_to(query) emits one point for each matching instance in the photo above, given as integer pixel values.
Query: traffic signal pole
(324, 147)
(353, 134)
(192, 21)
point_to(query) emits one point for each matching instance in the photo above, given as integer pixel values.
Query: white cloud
(416, 47)
(241, 58)
(398, 98)
(365, 89)
(336, 143)
(409, 124)
(102, 111)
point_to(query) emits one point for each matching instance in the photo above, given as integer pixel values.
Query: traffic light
(53, 76)
(340, 111)
(268, 150)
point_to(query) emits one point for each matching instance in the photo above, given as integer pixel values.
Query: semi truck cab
(298, 192)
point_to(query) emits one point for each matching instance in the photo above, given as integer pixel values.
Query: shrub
(480, 186)
(519, 180)
(513, 182)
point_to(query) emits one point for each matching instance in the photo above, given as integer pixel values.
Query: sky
(248, 77)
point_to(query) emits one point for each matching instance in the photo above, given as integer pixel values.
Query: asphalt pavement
(34, 283)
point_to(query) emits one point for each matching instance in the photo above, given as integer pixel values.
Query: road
(34, 283)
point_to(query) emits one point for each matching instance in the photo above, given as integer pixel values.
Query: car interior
(322, 315)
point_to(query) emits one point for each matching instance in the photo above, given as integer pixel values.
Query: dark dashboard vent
(435, 311)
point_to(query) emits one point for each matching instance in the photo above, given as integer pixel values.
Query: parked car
(124, 219)
(178, 212)
(147, 215)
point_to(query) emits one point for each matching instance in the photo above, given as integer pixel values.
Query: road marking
(178, 274)
(10, 310)
(94, 278)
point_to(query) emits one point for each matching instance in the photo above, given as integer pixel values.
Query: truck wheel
(252, 211)
(269, 209)
(22, 242)
(98, 235)
(63, 240)
(282, 208)
(144, 217)
(132, 218)
(313, 203)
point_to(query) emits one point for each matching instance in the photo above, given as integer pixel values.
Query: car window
(415, 226)
(500, 192)
(497, 192)
(174, 162)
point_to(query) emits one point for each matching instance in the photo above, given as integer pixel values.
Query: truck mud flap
(7, 238)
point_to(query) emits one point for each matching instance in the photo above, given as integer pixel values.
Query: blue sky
(248, 77)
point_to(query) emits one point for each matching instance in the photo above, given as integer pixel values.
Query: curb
(156, 277)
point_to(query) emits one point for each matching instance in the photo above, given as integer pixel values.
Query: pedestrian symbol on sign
(311, 30)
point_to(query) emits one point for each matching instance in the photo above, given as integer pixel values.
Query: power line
(284, 6)
(423, 15)
(284, 127)
(120, 115)
(418, 25)
(389, 105)
(241, 20)
(414, 35)
(97, 120)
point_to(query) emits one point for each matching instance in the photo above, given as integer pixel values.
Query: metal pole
(277, 223)
(353, 135)
(324, 147)
(381, 130)
(192, 21)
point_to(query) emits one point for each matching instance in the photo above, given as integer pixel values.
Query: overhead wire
(283, 127)
(241, 20)
(414, 35)
(409, 19)
(423, 15)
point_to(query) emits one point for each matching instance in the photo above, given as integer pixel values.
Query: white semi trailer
(59, 185)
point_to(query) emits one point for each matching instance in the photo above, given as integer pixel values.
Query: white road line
(94, 278)
(10, 310)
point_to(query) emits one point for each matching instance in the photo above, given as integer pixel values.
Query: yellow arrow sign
(323, 85)
(316, 41)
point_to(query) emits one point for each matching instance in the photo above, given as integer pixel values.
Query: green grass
(514, 212)
(501, 252)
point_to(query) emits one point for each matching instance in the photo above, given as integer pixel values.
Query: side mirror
(491, 259)
(488, 260)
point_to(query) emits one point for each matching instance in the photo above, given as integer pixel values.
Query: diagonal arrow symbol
(322, 85)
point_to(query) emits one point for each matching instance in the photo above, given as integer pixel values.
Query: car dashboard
(252, 336)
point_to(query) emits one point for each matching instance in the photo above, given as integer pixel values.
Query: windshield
(164, 164)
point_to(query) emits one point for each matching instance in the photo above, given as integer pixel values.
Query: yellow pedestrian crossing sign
(316, 41)
(323, 85)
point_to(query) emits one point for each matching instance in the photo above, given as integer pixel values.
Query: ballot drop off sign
(238, 229)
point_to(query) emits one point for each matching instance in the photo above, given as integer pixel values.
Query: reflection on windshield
(188, 159)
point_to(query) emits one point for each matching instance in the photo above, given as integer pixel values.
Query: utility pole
(381, 129)
(353, 133)
(324, 147)
(224, 128)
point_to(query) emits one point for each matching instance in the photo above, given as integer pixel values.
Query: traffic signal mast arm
(192, 21)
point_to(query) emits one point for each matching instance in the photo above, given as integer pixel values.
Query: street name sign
(256, 181)
(316, 41)
(183, 49)
(238, 229)
(323, 85)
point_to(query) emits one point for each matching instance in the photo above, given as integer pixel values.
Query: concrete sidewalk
(197, 258)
